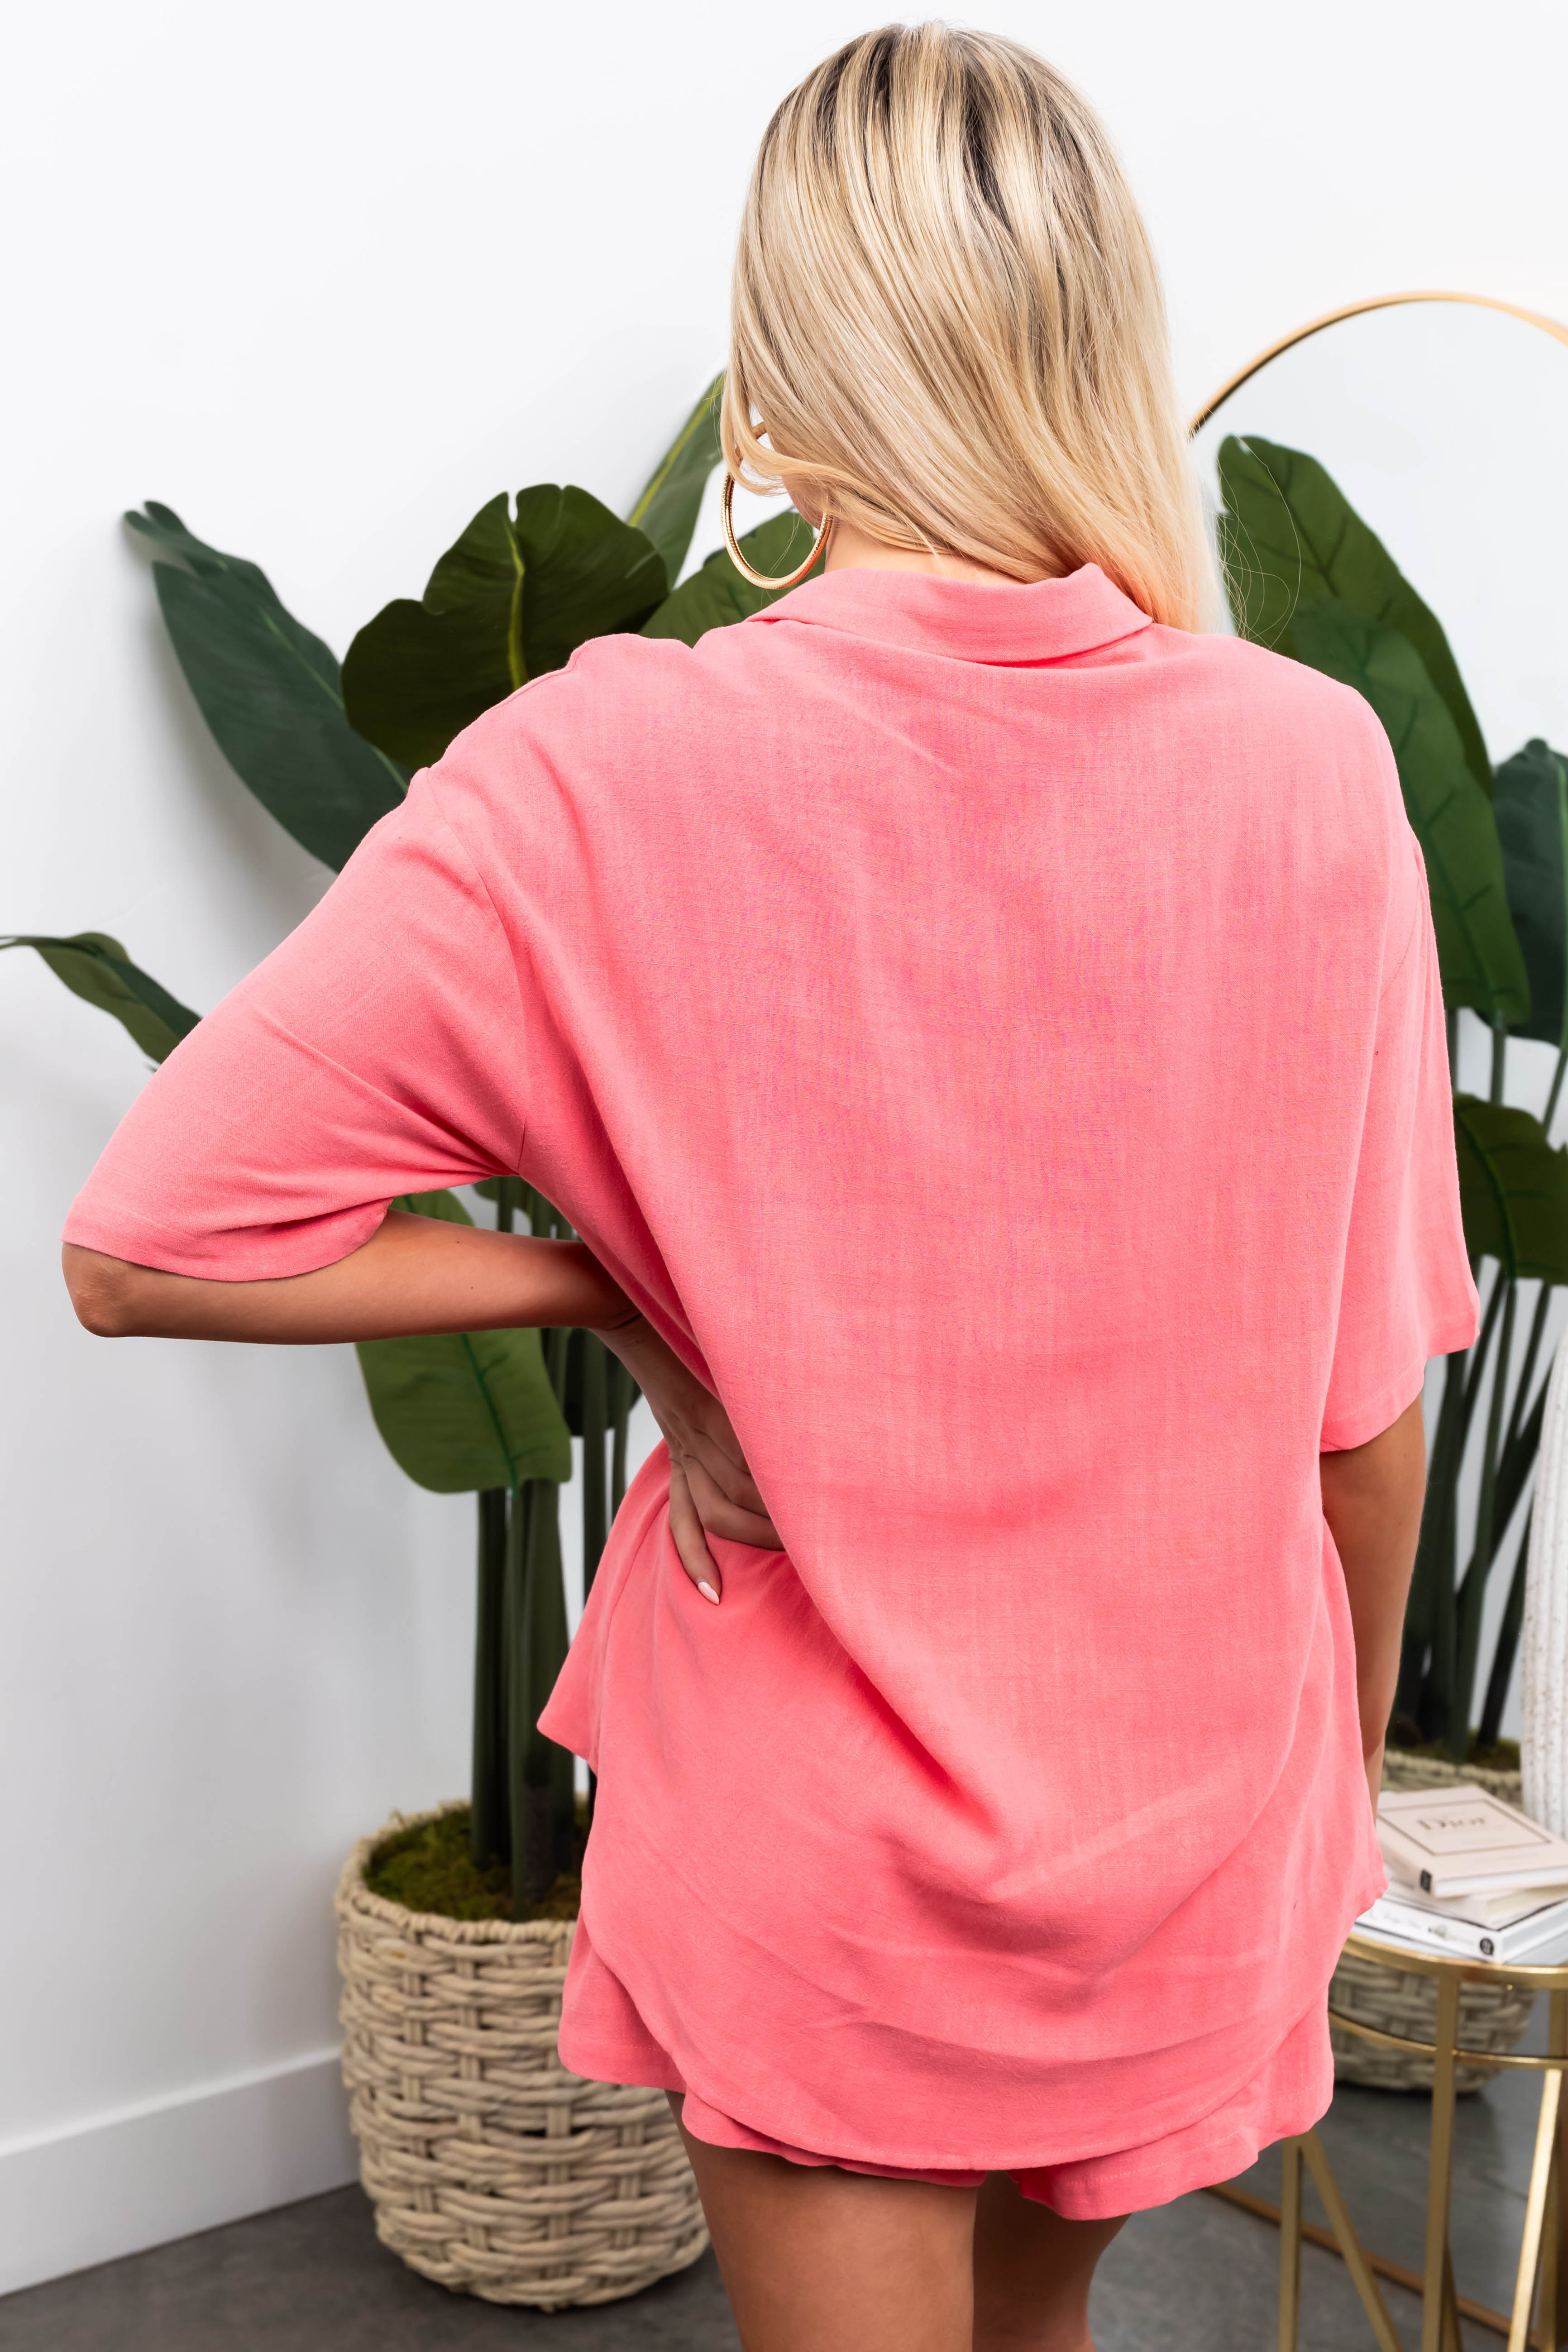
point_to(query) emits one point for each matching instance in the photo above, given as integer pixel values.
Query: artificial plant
(1308, 577)
(328, 751)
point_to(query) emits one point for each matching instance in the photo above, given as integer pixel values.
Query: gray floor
(1195, 2276)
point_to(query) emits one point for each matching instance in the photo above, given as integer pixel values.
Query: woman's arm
(1372, 1500)
(415, 1273)
(422, 1275)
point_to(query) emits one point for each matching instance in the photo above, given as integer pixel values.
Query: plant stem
(489, 1820)
(528, 1776)
(623, 1396)
(1516, 1462)
(510, 1193)
(517, 1658)
(1437, 1553)
(1527, 1370)
(1520, 1448)
(1474, 1595)
(540, 1773)
(1437, 1693)
(595, 1414)
(1550, 1113)
(1478, 1354)
(1420, 1615)
(489, 1838)
(1500, 1053)
(1434, 1613)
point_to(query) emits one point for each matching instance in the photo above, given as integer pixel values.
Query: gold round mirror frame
(1553, 326)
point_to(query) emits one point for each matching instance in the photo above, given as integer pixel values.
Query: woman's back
(999, 1039)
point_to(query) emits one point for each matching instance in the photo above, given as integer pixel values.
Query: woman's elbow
(101, 1290)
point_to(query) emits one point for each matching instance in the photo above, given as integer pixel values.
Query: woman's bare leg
(816, 2260)
(1032, 2273)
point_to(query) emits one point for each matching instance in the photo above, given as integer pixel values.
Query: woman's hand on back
(711, 1491)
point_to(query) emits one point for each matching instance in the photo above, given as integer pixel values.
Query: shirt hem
(642, 2060)
(1379, 1412)
(216, 1261)
(1154, 2172)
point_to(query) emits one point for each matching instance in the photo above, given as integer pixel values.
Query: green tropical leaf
(271, 694)
(717, 594)
(96, 967)
(1290, 538)
(163, 525)
(464, 1411)
(420, 672)
(585, 573)
(668, 506)
(508, 600)
(1513, 1189)
(1452, 818)
(1529, 801)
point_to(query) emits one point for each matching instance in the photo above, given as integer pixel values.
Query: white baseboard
(119, 2182)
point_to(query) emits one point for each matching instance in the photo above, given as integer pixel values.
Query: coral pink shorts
(603, 2038)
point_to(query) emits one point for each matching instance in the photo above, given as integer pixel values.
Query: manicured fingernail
(709, 1594)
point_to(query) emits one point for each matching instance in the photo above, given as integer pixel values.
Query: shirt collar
(967, 620)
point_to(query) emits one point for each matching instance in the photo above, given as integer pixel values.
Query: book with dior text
(1463, 1840)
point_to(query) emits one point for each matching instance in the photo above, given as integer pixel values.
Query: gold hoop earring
(760, 579)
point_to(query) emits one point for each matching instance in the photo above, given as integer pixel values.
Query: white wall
(325, 278)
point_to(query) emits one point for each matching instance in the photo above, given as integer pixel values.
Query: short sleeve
(378, 1051)
(1406, 1293)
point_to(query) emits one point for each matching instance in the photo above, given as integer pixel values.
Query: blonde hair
(947, 316)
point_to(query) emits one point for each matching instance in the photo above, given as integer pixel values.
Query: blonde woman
(987, 1033)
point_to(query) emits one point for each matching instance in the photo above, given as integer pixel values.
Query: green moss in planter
(428, 1868)
(1502, 1756)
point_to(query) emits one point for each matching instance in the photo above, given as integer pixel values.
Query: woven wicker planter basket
(491, 2168)
(1491, 2017)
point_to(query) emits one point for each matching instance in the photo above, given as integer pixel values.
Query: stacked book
(1468, 1874)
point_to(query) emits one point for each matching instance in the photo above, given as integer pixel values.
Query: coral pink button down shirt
(999, 1042)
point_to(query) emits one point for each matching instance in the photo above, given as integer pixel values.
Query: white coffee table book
(1468, 1876)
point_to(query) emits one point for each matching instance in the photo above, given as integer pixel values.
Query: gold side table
(1543, 2252)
